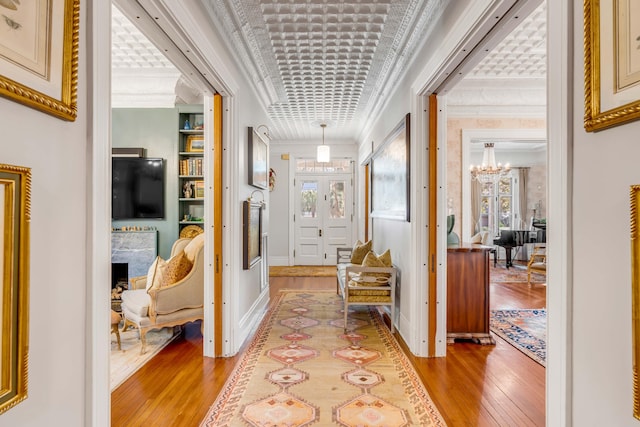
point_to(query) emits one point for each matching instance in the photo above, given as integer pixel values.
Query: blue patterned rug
(526, 330)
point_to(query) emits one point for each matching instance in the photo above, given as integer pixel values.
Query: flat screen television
(137, 188)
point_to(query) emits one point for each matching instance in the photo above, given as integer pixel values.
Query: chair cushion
(136, 301)
(538, 266)
(360, 250)
(192, 247)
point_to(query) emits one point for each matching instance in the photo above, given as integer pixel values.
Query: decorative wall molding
(498, 98)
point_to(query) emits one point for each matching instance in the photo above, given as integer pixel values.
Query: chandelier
(489, 171)
(324, 152)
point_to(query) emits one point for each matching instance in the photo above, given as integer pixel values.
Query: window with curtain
(499, 205)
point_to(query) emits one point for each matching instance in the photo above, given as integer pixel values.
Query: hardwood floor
(473, 386)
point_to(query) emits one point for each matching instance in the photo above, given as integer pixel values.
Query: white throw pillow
(485, 238)
(476, 238)
(154, 275)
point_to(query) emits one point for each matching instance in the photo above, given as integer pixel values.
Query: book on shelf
(199, 186)
(191, 167)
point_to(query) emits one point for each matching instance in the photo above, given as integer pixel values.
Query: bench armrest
(343, 255)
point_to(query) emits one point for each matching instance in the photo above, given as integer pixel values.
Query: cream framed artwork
(391, 174)
(15, 219)
(611, 63)
(39, 54)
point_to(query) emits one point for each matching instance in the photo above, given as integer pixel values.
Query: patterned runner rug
(526, 330)
(301, 369)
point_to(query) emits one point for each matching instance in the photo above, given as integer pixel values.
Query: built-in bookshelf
(190, 167)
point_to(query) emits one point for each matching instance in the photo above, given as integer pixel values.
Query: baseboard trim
(279, 260)
(252, 318)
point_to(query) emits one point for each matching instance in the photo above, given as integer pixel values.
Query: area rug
(517, 273)
(125, 362)
(302, 271)
(526, 330)
(302, 369)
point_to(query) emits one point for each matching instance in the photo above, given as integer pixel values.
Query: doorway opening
(323, 210)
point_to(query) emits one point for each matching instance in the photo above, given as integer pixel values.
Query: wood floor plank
(473, 386)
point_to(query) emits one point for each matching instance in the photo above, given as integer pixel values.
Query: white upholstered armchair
(172, 292)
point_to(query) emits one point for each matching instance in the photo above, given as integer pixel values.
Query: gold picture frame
(39, 55)
(195, 144)
(608, 103)
(15, 219)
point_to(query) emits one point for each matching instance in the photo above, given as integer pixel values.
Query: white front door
(323, 214)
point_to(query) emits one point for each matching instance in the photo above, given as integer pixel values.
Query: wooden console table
(468, 293)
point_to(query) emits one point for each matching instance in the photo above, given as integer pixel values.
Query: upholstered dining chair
(172, 292)
(537, 262)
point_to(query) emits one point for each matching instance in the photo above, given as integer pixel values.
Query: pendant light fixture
(324, 152)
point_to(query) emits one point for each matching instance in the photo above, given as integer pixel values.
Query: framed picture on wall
(251, 234)
(15, 219)
(39, 55)
(258, 161)
(611, 63)
(635, 293)
(390, 175)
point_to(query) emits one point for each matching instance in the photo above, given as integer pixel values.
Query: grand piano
(512, 239)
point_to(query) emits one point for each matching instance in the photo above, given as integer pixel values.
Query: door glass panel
(336, 199)
(505, 186)
(505, 212)
(484, 213)
(309, 199)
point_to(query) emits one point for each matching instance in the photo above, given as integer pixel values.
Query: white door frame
(469, 135)
(292, 176)
(560, 114)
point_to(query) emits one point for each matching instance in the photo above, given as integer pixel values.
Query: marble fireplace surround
(136, 248)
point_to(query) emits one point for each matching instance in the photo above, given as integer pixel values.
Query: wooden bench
(360, 289)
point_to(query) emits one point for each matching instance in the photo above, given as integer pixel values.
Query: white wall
(250, 115)
(56, 151)
(279, 209)
(602, 336)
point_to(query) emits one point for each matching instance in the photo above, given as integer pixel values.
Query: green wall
(155, 130)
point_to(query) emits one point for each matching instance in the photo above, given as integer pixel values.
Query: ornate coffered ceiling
(322, 60)
(329, 60)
